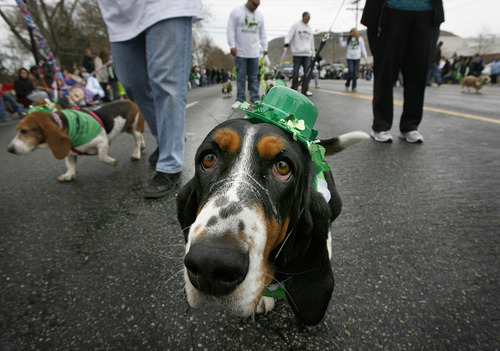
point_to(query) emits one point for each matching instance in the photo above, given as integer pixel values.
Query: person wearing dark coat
(88, 61)
(402, 35)
(24, 87)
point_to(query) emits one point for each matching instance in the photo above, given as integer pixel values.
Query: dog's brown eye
(209, 161)
(281, 170)
(23, 131)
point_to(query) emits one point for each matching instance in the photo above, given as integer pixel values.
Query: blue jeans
(434, 73)
(154, 69)
(352, 72)
(12, 102)
(247, 67)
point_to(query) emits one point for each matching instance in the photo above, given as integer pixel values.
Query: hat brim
(266, 119)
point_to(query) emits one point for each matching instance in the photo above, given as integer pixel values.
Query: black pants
(305, 62)
(406, 42)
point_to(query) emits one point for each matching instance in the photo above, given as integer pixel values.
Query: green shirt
(82, 127)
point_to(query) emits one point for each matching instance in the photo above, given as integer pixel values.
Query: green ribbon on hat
(292, 112)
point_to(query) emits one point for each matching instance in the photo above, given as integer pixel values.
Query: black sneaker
(153, 159)
(161, 185)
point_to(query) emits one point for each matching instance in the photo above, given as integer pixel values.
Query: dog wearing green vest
(72, 132)
(256, 215)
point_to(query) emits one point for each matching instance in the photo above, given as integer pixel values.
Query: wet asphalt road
(91, 265)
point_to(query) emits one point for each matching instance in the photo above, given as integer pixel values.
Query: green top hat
(293, 112)
(289, 110)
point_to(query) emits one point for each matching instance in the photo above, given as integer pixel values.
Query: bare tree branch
(14, 31)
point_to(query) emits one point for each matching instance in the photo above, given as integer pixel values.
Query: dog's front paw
(265, 305)
(65, 177)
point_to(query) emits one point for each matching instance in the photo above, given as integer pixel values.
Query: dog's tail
(342, 142)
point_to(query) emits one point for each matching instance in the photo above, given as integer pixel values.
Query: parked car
(332, 71)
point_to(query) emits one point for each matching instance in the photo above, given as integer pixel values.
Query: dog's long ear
(335, 145)
(59, 143)
(310, 281)
(187, 207)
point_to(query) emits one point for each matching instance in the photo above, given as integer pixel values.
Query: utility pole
(357, 9)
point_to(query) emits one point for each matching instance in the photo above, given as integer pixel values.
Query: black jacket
(23, 87)
(373, 11)
(88, 64)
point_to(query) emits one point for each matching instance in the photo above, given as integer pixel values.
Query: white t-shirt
(126, 19)
(246, 32)
(301, 39)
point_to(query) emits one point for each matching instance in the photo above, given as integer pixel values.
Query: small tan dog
(227, 89)
(474, 82)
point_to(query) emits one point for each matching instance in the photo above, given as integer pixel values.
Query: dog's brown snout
(216, 268)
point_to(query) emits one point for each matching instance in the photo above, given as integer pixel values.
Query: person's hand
(234, 51)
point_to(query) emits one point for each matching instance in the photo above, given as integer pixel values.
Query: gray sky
(465, 18)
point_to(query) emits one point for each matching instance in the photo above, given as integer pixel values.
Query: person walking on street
(151, 49)
(246, 34)
(355, 48)
(402, 35)
(434, 72)
(495, 70)
(300, 38)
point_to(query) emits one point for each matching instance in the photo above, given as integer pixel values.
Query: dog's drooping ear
(59, 143)
(310, 281)
(187, 207)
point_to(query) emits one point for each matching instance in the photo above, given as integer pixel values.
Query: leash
(279, 64)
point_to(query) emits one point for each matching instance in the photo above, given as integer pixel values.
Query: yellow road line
(400, 103)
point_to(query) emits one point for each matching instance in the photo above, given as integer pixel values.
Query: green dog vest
(82, 127)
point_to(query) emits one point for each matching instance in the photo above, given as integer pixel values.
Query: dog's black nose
(216, 268)
(11, 150)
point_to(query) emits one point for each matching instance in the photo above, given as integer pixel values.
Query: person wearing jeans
(247, 67)
(4, 97)
(246, 35)
(151, 49)
(355, 48)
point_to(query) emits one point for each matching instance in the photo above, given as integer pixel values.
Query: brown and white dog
(474, 82)
(227, 89)
(41, 129)
(251, 217)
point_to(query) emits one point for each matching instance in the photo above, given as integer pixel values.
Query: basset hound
(71, 132)
(252, 218)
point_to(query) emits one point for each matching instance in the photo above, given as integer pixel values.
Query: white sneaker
(381, 137)
(308, 93)
(412, 137)
(235, 105)
(256, 102)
